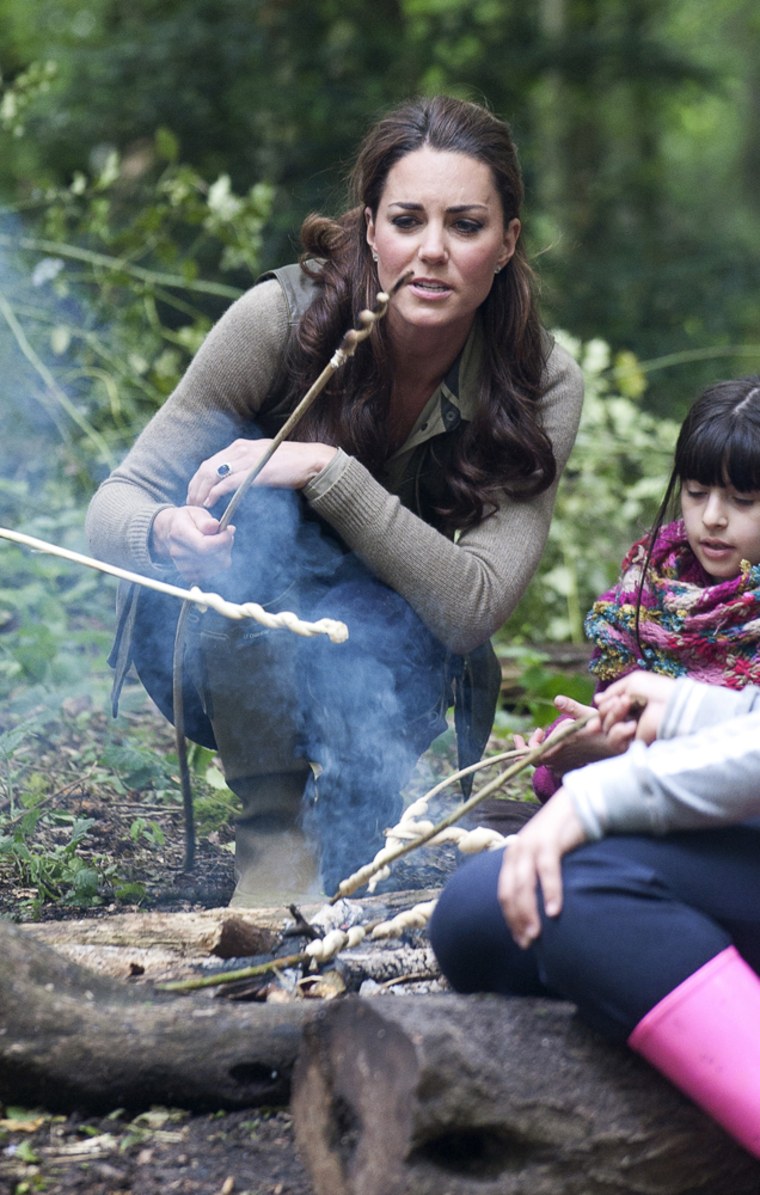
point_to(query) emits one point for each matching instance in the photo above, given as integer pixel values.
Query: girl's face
(722, 526)
(441, 217)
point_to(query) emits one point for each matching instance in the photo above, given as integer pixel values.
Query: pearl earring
(375, 257)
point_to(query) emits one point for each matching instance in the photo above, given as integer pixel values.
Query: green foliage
(608, 496)
(59, 872)
(18, 100)
(108, 303)
(214, 803)
(136, 766)
(644, 207)
(540, 683)
(53, 614)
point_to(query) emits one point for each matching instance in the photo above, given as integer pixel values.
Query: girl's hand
(534, 857)
(585, 746)
(620, 706)
(536, 739)
(291, 467)
(189, 538)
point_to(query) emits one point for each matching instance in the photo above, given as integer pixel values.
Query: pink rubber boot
(705, 1037)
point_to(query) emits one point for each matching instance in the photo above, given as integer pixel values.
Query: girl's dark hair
(718, 444)
(504, 447)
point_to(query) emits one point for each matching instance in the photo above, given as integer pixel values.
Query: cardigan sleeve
(465, 589)
(221, 391)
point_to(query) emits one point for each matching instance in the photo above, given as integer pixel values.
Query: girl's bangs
(724, 455)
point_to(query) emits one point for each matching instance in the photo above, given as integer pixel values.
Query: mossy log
(454, 1094)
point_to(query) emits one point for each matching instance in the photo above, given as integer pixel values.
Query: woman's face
(722, 526)
(441, 217)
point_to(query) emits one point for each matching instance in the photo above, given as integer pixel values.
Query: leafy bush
(607, 497)
(111, 284)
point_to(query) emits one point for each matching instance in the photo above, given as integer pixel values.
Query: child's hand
(633, 706)
(534, 857)
(595, 741)
(536, 739)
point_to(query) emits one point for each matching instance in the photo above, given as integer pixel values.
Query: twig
(52, 387)
(121, 264)
(212, 981)
(346, 349)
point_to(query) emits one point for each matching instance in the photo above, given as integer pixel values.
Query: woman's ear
(369, 221)
(511, 237)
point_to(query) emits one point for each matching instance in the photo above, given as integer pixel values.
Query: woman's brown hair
(504, 447)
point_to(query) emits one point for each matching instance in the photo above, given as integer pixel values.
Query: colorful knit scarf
(688, 625)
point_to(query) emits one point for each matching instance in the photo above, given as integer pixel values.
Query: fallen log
(71, 1039)
(158, 945)
(444, 1093)
(227, 933)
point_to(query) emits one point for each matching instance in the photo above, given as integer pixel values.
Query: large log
(449, 1094)
(71, 1039)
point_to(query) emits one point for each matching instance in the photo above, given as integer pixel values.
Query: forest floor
(91, 825)
(114, 792)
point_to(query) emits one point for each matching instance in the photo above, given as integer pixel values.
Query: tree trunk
(453, 1094)
(71, 1039)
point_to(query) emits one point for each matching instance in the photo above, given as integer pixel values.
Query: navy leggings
(640, 915)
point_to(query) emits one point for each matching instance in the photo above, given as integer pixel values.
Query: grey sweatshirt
(702, 771)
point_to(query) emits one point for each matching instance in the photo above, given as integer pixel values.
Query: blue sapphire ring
(223, 470)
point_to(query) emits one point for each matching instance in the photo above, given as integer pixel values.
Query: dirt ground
(161, 1150)
(166, 1151)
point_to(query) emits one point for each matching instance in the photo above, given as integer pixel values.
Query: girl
(688, 598)
(635, 892)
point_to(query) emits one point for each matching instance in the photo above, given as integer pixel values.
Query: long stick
(346, 349)
(335, 630)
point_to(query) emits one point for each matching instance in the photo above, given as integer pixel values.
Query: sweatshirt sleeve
(704, 771)
(221, 391)
(465, 589)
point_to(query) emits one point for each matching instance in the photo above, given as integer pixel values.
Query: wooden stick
(346, 349)
(336, 631)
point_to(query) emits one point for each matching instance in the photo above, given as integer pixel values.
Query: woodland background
(157, 156)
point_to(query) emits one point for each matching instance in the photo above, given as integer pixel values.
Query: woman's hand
(620, 706)
(189, 538)
(534, 857)
(292, 465)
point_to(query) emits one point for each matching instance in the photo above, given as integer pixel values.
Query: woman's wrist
(319, 459)
(158, 542)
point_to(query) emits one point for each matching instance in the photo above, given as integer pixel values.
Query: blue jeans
(640, 915)
(362, 711)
